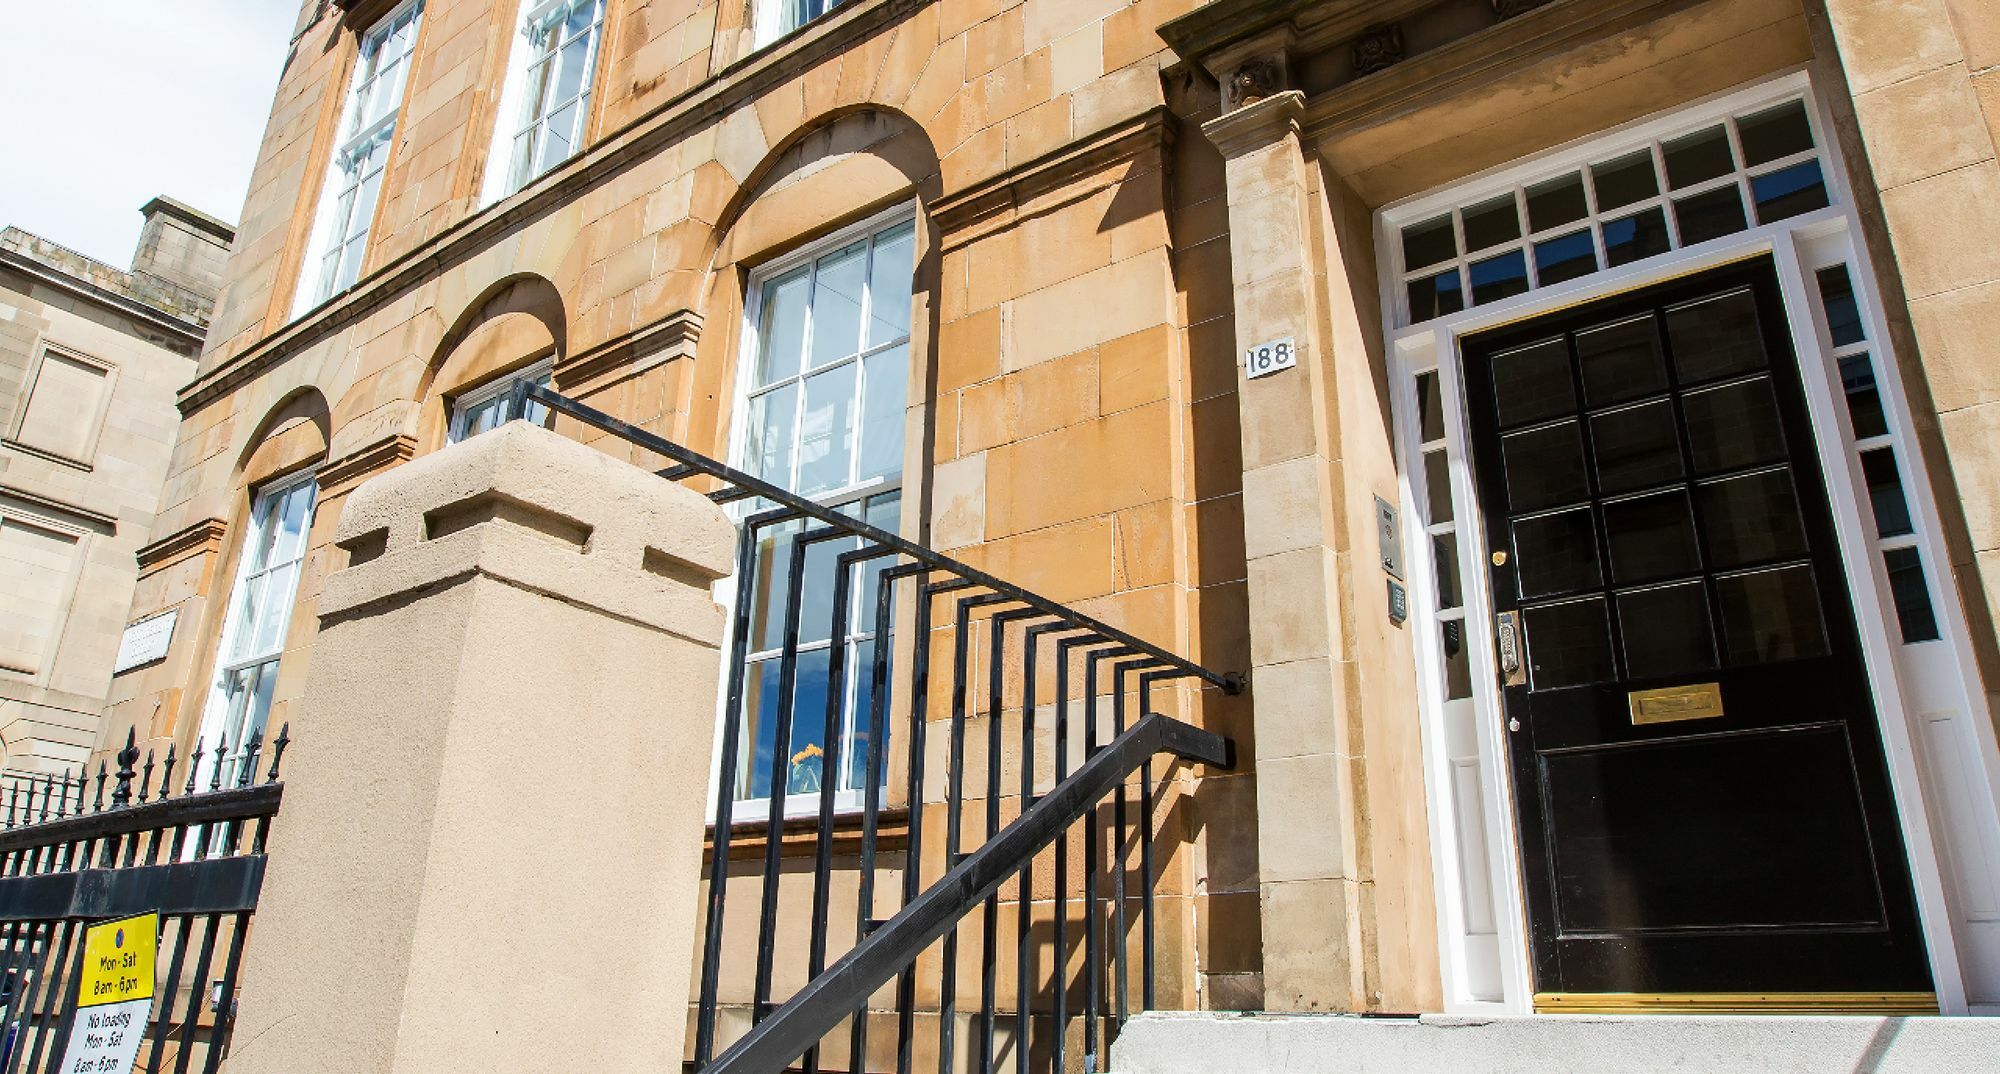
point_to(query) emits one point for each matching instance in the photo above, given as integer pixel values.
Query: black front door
(1703, 801)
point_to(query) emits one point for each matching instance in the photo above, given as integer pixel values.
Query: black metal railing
(195, 857)
(1085, 782)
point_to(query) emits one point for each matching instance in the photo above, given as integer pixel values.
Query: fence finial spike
(278, 749)
(221, 754)
(194, 768)
(121, 796)
(45, 796)
(246, 773)
(98, 804)
(13, 802)
(167, 773)
(145, 777)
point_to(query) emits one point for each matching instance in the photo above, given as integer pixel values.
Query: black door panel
(1704, 803)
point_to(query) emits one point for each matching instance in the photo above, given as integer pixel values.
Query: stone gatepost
(488, 857)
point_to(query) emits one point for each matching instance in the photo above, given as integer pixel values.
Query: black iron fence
(1049, 779)
(180, 837)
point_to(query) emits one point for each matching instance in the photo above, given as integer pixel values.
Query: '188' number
(1266, 358)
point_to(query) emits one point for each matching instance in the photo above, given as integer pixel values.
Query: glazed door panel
(1703, 802)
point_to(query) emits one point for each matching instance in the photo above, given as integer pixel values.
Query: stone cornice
(202, 536)
(342, 474)
(1478, 58)
(77, 512)
(1256, 125)
(189, 333)
(1152, 130)
(1213, 28)
(707, 102)
(673, 336)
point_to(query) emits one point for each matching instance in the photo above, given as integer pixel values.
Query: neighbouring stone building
(1576, 420)
(90, 359)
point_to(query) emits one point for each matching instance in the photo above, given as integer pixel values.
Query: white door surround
(1937, 733)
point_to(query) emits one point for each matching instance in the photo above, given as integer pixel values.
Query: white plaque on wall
(145, 641)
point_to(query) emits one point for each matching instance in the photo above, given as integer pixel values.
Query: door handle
(1507, 633)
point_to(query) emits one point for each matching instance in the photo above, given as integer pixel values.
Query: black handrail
(949, 599)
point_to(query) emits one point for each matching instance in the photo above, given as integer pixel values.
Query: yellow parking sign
(114, 995)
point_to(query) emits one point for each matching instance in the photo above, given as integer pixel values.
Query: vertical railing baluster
(920, 678)
(218, 1036)
(954, 810)
(989, 924)
(196, 987)
(781, 746)
(873, 779)
(725, 791)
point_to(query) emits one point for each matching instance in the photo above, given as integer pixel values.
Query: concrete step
(1200, 1043)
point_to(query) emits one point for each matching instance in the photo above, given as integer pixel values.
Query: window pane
(1635, 447)
(1715, 337)
(1712, 215)
(885, 380)
(1622, 181)
(1733, 426)
(826, 431)
(1533, 382)
(557, 138)
(1651, 537)
(570, 68)
(1437, 486)
(1499, 277)
(1640, 235)
(1770, 615)
(1568, 644)
(1556, 202)
(249, 605)
(1864, 401)
(293, 514)
(1444, 551)
(1788, 192)
(884, 512)
(802, 761)
(1696, 157)
(836, 304)
(1621, 360)
(1565, 258)
(889, 275)
(860, 745)
(1556, 553)
(1666, 631)
(1885, 492)
(1912, 596)
(1435, 296)
(1843, 317)
(278, 588)
(782, 333)
(1491, 223)
(1428, 243)
(1751, 519)
(769, 452)
(1774, 132)
(1544, 467)
(1430, 408)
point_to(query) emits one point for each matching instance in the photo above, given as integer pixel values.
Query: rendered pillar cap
(521, 502)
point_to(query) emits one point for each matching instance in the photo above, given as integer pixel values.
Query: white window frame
(340, 221)
(775, 19)
(519, 118)
(217, 717)
(1938, 738)
(466, 405)
(845, 800)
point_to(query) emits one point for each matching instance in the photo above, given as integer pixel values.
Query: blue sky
(113, 101)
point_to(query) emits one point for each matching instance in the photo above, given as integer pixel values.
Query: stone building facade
(90, 358)
(1204, 319)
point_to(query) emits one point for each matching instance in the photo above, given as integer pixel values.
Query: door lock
(1507, 630)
